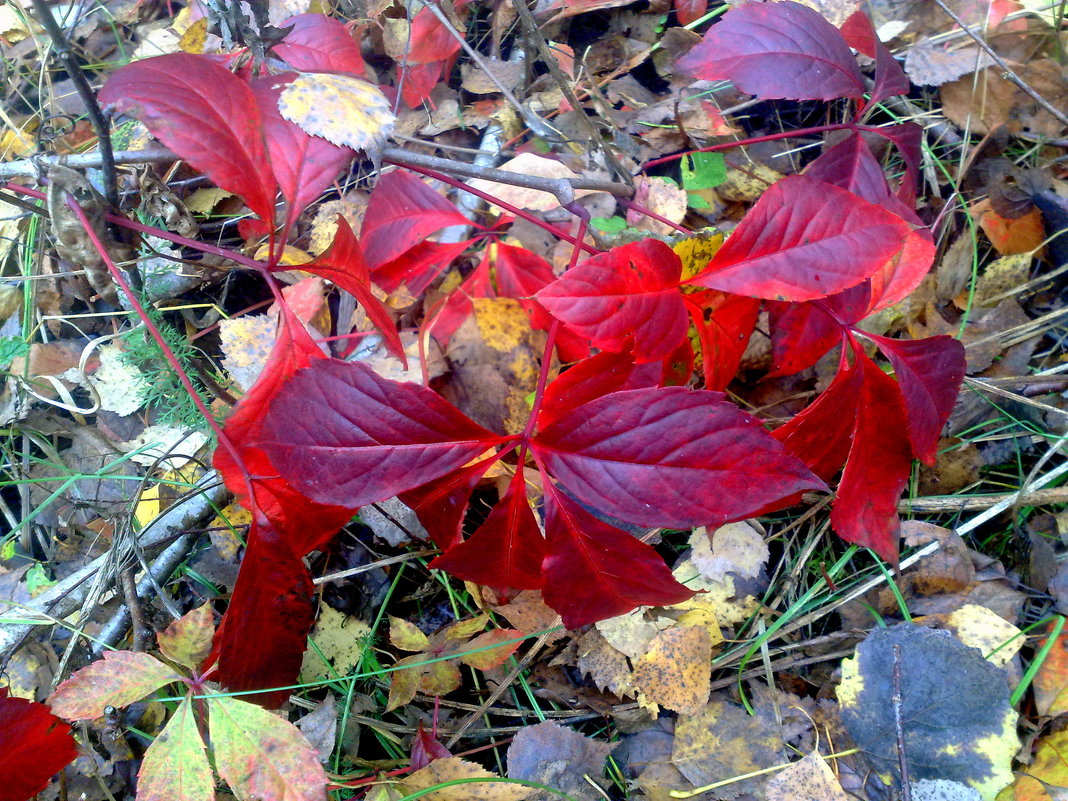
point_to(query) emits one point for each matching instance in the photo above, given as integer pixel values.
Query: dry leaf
(452, 768)
(676, 670)
(533, 199)
(344, 110)
(808, 779)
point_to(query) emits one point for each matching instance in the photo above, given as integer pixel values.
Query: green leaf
(703, 171)
(261, 755)
(175, 767)
(11, 348)
(188, 641)
(610, 225)
(119, 679)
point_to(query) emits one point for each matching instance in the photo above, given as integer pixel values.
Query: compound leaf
(187, 641)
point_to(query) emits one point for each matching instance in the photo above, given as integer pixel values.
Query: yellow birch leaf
(339, 108)
(677, 669)
(450, 769)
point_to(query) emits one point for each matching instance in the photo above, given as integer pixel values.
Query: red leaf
(419, 265)
(262, 637)
(319, 43)
(626, 298)
(303, 165)
(822, 434)
(426, 748)
(205, 114)
(802, 332)
(441, 504)
(595, 571)
(418, 81)
(402, 212)
(804, 240)
(344, 265)
(777, 50)
(458, 306)
(520, 274)
(430, 40)
(34, 746)
(879, 463)
(725, 336)
(302, 523)
(343, 434)
(929, 373)
(593, 377)
(506, 550)
(908, 137)
(890, 79)
(903, 272)
(687, 11)
(670, 457)
(850, 165)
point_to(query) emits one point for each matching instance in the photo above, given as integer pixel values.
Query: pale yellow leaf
(260, 755)
(676, 670)
(406, 635)
(188, 641)
(809, 779)
(734, 548)
(339, 108)
(450, 769)
(340, 640)
(175, 767)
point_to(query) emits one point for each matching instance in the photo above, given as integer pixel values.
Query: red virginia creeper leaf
(929, 373)
(426, 748)
(804, 240)
(34, 746)
(344, 265)
(343, 434)
(119, 679)
(903, 272)
(419, 81)
(595, 571)
(879, 463)
(520, 274)
(908, 137)
(441, 504)
(777, 50)
(687, 11)
(402, 212)
(822, 434)
(419, 266)
(671, 457)
(506, 550)
(319, 43)
(802, 332)
(261, 640)
(890, 79)
(458, 306)
(725, 335)
(593, 377)
(627, 298)
(303, 165)
(430, 40)
(849, 164)
(205, 114)
(302, 523)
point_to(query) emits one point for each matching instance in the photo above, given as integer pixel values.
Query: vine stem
(168, 353)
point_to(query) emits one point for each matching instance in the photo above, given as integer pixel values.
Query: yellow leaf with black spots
(339, 108)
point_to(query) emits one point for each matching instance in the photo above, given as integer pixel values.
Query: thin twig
(1006, 69)
(87, 95)
(899, 729)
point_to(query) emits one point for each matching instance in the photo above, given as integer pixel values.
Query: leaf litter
(711, 673)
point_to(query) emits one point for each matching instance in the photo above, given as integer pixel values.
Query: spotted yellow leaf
(339, 108)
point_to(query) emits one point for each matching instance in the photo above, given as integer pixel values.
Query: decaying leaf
(119, 679)
(558, 757)
(339, 108)
(808, 779)
(486, 787)
(676, 669)
(175, 766)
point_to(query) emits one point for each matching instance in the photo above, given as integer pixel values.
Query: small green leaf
(260, 755)
(119, 679)
(175, 767)
(703, 171)
(11, 348)
(610, 225)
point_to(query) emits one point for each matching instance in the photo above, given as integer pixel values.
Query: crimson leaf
(890, 79)
(402, 212)
(595, 571)
(318, 43)
(777, 50)
(880, 459)
(418, 266)
(303, 165)
(929, 373)
(724, 324)
(626, 298)
(506, 550)
(804, 240)
(343, 434)
(670, 457)
(261, 641)
(34, 746)
(205, 114)
(802, 332)
(441, 504)
(344, 265)
(593, 377)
